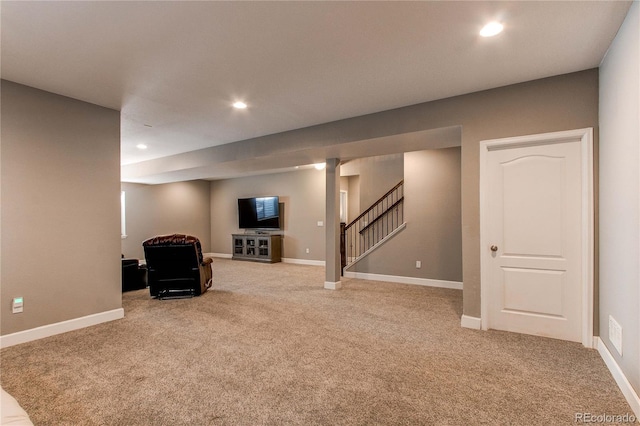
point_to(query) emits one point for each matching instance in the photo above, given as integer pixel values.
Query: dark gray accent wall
(302, 194)
(172, 208)
(60, 211)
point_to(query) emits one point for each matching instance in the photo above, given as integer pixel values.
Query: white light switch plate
(17, 305)
(615, 334)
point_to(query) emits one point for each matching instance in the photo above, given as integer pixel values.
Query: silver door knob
(494, 248)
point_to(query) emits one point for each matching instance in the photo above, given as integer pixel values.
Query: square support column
(332, 225)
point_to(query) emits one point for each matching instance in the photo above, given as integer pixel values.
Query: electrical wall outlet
(615, 334)
(418, 264)
(320, 223)
(307, 250)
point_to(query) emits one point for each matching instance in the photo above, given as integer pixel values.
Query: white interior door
(535, 262)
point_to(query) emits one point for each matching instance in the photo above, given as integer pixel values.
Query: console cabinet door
(264, 247)
(238, 246)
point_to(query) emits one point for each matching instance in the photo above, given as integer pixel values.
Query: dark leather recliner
(175, 266)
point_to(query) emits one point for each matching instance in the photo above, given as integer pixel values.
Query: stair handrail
(363, 214)
(352, 248)
(381, 215)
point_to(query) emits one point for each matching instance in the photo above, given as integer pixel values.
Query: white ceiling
(178, 66)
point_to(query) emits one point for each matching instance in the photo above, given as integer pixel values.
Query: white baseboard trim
(303, 261)
(627, 390)
(220, 255)
(404, 280)
(471, 322)
(333, 286)
(59, 328)
(284, 259)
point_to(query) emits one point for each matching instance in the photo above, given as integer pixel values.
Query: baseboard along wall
(220, 255)
(627, 389)
(329, 285)
(404, 280)
(59, 328)
(284, 259)
(303, 261)
(456, 285)
(466, 321)
(471, 322)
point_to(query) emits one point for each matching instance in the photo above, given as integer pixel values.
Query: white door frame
(585, 137)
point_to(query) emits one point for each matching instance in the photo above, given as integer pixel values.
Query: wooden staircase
(373, 227)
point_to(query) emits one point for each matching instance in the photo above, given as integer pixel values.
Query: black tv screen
(259, 213)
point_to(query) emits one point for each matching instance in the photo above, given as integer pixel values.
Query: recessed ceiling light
(239, 105)
(491, 29)
(320, 166)
(141, 146)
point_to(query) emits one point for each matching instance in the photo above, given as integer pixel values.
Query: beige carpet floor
(269, 346)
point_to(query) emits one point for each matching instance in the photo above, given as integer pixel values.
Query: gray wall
(433, 214)
(377, 175)
(60, 216)
(172, 208)
(620, 194)
(303, 195)
(432, 188)
(556, 103)
(353, 198)
(553, 104)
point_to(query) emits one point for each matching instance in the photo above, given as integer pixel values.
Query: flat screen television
(259, 213)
